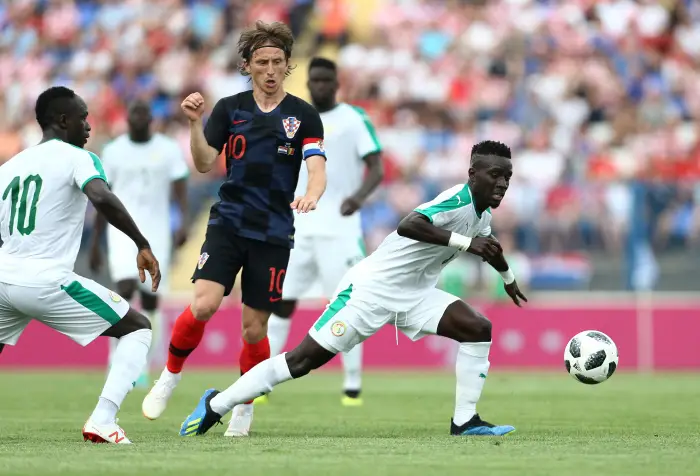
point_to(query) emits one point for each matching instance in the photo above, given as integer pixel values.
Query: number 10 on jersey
(18, 193)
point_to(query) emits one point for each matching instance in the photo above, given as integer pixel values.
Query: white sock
(472, 368)
(105, 412)
(277, 333)
(129, 361)
(156, 356)
(352, 365)
(113, 343)
(167, 377)
(257, 381)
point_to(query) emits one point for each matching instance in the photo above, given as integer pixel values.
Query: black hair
(139, 103)
(51, 103)
(318, 62)
(489, 147)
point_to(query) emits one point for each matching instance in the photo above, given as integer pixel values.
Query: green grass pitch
(630, 425)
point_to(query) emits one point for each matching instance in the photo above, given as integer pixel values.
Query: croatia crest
(202, 259)
(291, 126)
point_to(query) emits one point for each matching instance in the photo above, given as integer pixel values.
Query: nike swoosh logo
(272, 299)
(240, 121)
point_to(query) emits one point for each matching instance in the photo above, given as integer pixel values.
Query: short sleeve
(87, 167)
(312, 134)
(178, 167)
(216, 130)
(367, 140)
(443, 209)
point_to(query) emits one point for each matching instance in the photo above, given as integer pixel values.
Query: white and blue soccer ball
(591, 357)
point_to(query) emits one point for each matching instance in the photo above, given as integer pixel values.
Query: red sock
(186, 336)
(253, 354)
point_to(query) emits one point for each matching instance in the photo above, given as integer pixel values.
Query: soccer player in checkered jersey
(329, 241)
(267, 134)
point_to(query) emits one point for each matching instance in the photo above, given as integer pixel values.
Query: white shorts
(78, 308)
(348, 320)
(121, 255)
(320, 258)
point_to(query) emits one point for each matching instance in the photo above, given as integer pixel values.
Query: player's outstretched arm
(417, 226)
(113, 210)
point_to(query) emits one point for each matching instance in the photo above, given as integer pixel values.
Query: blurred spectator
(590, 94)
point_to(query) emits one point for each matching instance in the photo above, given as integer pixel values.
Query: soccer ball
(591, 357)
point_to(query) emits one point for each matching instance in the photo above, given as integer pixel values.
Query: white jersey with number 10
(43, 211)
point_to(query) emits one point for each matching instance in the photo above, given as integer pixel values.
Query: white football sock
(257, 381)
(277, 333)
(129, 360)
(472, 368)
(105, 412)
(352, 365)
(113, 343)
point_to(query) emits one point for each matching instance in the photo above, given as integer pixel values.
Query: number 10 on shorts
(276, 283)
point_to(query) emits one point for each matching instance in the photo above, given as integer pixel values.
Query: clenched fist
(193, 106)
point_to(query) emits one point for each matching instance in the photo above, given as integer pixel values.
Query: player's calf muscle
(307, 356)
(254, 324)
(254, 331)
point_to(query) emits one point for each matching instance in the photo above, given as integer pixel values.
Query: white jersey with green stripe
(349, 137)
(400, 272)
(43, 211)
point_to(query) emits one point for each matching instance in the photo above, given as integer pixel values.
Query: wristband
(460, 242)
(508, 276)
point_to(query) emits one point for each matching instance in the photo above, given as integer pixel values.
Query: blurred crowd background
(599, 100)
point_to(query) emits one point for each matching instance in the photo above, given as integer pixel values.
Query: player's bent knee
(253, 332)
(204, 307)
(482, 329)
(464, 324)
(207, 299)
(472, 328)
